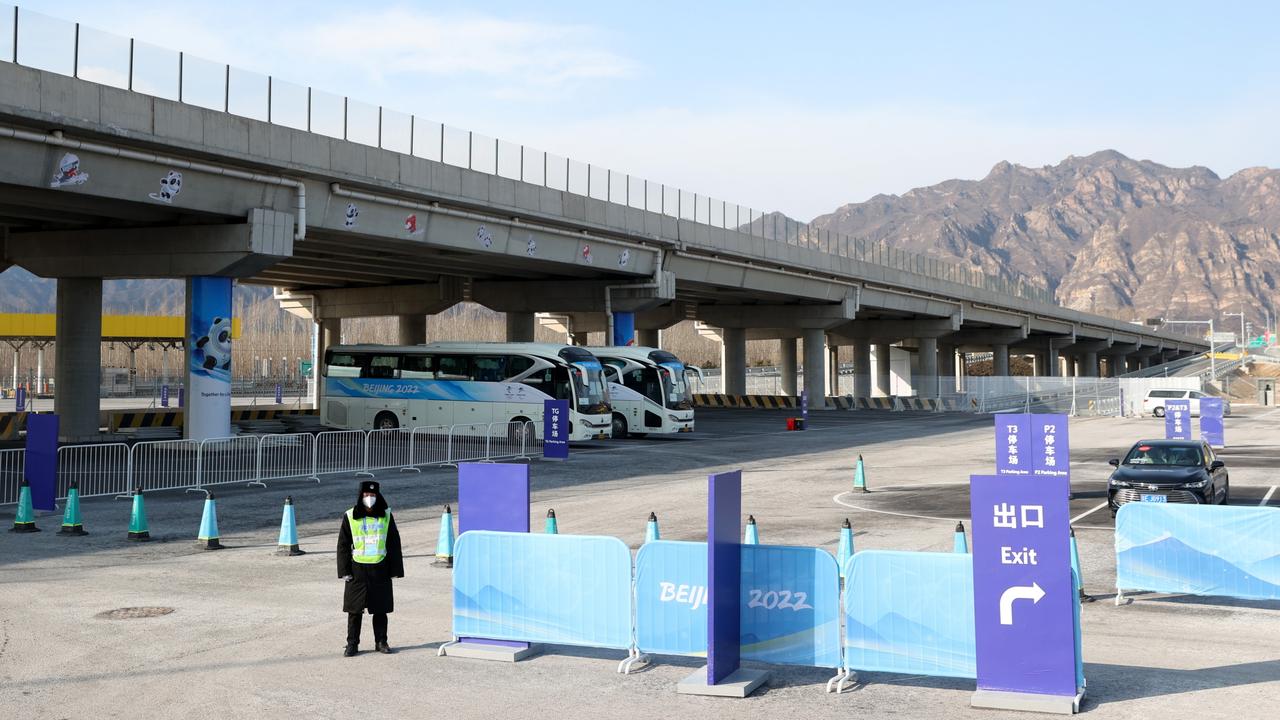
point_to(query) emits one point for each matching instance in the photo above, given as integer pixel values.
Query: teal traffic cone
(551, 528)
(752, 536)
(25, 522)
(651, 529)
(961, 545)
(138, 519)
(444, 546)
(1075, 567)
(288, 543)
(208, 536)
(845, 551)
(71, 524)
(860, 477)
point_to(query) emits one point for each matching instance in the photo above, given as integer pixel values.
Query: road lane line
(838, 501)
(1087, 513)
(1267, 497)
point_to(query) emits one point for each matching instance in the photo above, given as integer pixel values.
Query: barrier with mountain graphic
(1228, 550)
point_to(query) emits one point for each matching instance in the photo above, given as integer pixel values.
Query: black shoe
(384, 648)
(351, 651)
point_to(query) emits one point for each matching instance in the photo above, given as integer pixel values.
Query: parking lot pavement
(256, 634)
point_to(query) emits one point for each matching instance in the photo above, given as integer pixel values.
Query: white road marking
(1087, 513)
(838, 501)
(1267, 497)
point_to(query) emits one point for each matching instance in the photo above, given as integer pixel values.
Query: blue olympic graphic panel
(1232, 551)
(910, 612)
(565, 589)
(452, 390)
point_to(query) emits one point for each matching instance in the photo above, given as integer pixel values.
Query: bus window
(552, 381)
(416, 367)
(488, 368)
(645, 382)
(342, 365)
(518, 365)
(452, 367)
(383, 367)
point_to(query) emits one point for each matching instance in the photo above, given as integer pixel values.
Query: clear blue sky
(798, 107)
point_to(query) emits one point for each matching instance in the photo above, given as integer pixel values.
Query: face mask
(368, 501)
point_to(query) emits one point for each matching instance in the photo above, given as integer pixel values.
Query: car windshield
(1174, 455)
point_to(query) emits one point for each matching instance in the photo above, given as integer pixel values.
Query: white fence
(1083, 396)
(118, 468)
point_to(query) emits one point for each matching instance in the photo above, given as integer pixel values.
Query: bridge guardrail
(68, 48)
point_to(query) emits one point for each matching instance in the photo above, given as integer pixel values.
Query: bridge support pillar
(78, 354)
(947, 368)
(1000, 360)
(649, 338)
(833, 368)
(883, 356)
(733, 360)
(862, 368)
(787, 348)
(928, 383)
(412, 329)
(815, 361)
(1089, 365)
(520, 326)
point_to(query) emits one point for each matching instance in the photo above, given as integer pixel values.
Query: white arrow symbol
(1017, 592)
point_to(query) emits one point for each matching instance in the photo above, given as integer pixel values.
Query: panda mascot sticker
(349, 219)
(69, 172)
(170, 186)
(213, 349)
(531, 246)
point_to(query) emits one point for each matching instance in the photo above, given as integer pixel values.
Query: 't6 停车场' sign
(1024, 602)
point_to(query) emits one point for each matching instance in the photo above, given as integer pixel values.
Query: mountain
(1109, 234)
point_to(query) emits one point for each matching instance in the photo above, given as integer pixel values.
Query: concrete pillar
(815, 354)
(649, 338)
(1089, 365)
(579, 338)
(520, 326)
(787, 348)
(929, 383)
(833, 369)
(862, 368)
(883, 385)
(330, 335)
(733, 365)
(1000, 360)
(1052, 356)
(413, 329)
(78, 355)
(962, 367)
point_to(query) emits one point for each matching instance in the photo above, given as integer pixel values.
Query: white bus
(454, 383)
(647, 390)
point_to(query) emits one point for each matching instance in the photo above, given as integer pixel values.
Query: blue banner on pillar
(19, 399)
(209, 357)
(41, 464)
(555, 429)
(279, 394)
(164, 396)
(1014, 452)
(724, 574)
(1177, 419)
(624, 328)
(1211, 424)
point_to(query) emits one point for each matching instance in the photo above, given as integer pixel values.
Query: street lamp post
(1213, 363)
(1243, 339)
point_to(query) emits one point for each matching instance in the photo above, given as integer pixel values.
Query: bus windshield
(675, 390)
(588, 386)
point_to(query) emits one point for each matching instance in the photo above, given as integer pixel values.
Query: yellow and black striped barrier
(132, 419)
(840, 402)
(11, 424)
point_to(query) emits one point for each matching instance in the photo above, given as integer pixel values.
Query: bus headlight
(673, 418)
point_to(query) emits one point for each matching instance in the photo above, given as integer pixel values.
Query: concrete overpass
(343, 229)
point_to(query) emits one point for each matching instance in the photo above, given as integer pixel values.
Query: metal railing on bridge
(40, 41)
(117, 468)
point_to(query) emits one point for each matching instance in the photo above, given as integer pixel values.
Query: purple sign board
(41, 467)
(279, 394)
(724, 575)
(804, 407)
(1024, 603)
(19, 398)
(493, 496)
(1177, 419)
(164, 396)
(555, 430)
(1211, 425)
(1014, 445)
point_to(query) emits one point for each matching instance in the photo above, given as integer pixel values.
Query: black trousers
(354, 620)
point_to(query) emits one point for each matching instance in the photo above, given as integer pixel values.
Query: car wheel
(385, 421)
(1158, 412)
(619, 426)
(1226, 495)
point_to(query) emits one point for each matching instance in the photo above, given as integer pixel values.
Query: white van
(1154, 401)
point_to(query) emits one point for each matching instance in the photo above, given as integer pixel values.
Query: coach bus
(454, 383)
(647, 391)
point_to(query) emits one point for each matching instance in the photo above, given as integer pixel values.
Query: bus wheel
(523, 429)
(385, 421)
(619, 426)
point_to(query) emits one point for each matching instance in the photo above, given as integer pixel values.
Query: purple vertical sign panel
(41, 465)
(1014, 444)
(1052, 447)
(724, 575)
(1177, 419)
(555, 429)
(493, 496)
(1024, 611)
(164, 396)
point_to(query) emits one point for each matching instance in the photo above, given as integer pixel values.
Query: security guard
(368, 558)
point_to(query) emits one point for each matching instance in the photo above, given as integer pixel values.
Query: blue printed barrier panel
(1211, 426)
(565, 589)
(790, 603)
(910, 612)
(1232, 551)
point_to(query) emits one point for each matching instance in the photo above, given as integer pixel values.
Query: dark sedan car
(1168, 471)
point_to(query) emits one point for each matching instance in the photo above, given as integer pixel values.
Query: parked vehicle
(647, 390)
(1154, 402)
(1168, 471)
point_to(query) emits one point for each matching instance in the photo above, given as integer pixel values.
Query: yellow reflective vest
(369, 538)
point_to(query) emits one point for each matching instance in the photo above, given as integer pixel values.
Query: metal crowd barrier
(118, 468)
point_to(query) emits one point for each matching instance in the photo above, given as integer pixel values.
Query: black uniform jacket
(370, 585)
